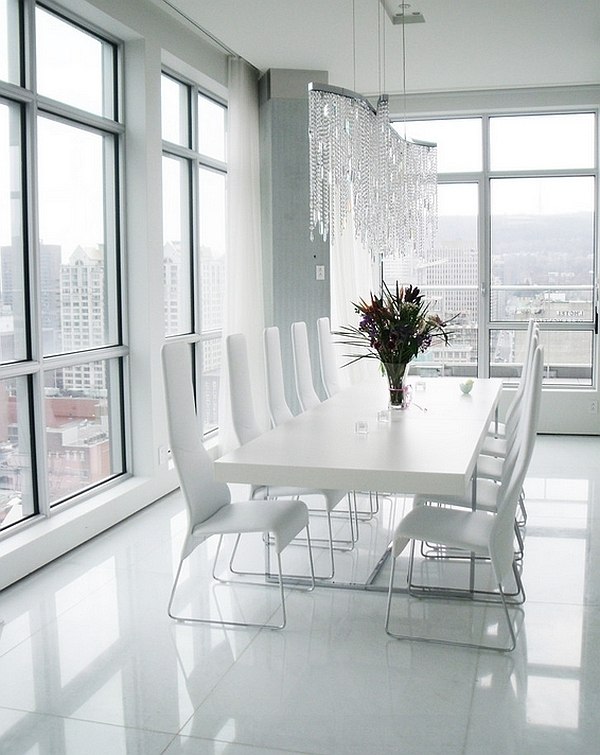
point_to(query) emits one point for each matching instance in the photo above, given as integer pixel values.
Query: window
(10, 58)
(194, 196)
(450, 276)
(530, 255)
(61, 349)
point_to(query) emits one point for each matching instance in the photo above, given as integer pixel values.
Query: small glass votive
(420, 386)
(361, 427)
(383, 415)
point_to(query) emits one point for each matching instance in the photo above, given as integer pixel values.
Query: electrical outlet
(593, 407)
(320, 272)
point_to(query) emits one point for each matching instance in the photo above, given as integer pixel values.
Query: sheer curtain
(244, 310)
(353, 276)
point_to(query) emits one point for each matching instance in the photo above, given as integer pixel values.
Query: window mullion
(485, 254)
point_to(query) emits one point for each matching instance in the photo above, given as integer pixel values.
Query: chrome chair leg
(221, 622)
(440, 641)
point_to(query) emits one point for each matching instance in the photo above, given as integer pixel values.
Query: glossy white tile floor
(90, 662)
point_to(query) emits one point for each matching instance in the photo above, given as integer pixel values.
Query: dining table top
(345, 443)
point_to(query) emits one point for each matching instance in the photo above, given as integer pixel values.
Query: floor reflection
(90, 662)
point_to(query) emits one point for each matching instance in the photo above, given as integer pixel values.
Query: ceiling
(463, 44)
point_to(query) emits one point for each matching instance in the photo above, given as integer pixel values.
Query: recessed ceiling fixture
(361, 167)
(400, 13)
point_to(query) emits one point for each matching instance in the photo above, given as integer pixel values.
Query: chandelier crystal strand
(359, 164)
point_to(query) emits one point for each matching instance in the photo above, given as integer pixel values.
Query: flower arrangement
(394, 328)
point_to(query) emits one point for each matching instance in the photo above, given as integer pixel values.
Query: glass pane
(449, 279)
(567, 355)
(17, 500)
(542, 248)
(542, 142)
(13, 311)
(211, 215)
(73, 66)
(458, 142)
(10, 65)
(177, 252)
(175, 111)
(83, 426)
(211, 128)
(209, 384)
(76, 237)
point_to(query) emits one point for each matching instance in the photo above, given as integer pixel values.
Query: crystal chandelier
(360, 165)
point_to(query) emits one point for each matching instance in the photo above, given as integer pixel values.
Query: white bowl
(466, 387)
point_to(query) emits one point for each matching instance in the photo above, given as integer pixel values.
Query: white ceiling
(463, 44)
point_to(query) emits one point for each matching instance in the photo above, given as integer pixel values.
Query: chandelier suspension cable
(360, 168)
(353, 44)
(404, 78)
(383, 52)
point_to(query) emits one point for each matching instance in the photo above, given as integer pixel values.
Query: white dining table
(431, 447)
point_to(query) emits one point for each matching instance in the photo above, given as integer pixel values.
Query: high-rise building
(174, 288)
(82, 318)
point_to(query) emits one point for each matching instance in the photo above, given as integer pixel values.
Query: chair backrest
(533, 335)
(514, 471)
(279, 411)
(329, 368)
(305, 389)
(513, 415)
(194, 466)
(243, 415)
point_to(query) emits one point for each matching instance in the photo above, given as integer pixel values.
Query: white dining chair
(501, 437)
(305, 389)
(499, 430)
(327, 358)
(486, 534)
(488, 485)
(246, 428)
(331, 384)
(279, 410)
(209, 506)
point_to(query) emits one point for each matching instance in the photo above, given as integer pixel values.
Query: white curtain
(244, 310)
(353, 276)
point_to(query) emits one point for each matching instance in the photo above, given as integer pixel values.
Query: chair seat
(468, 530)
(487, 497)
(494, 446)
(263, 492)
(283, 519)
(489, 467)
(497, 430)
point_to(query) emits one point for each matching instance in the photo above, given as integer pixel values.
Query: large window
(194, 195)
(61, 348)
(516, 239)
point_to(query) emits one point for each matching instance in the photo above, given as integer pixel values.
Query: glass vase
(399, 390)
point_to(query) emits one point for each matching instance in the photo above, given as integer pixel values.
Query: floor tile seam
(49, 714)
(560, 603)
(110, 723)
(464, 750)
(250, 746)
(222, 676)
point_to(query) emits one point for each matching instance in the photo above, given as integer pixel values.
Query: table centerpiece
(394, 328)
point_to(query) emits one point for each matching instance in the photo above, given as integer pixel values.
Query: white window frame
(37, 365)
(197, 160)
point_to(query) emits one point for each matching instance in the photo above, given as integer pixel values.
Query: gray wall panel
(290, 257)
